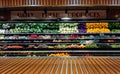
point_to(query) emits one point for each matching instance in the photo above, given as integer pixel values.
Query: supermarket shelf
(61, 33)
(112, 57)
(44, 51)
(60, 21)
(60, 39)
(50, 43)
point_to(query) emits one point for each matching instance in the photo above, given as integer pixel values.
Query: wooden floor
(78, 65)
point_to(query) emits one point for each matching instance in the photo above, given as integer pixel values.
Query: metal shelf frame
(49, 51)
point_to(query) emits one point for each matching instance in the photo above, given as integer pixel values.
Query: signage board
(76, 14)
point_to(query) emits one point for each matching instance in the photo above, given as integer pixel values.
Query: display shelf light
(66, 17)
(85, 17)
(48, 17)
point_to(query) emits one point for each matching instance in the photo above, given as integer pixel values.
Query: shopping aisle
(53, 65)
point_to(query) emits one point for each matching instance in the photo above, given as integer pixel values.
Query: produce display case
(59, 38)
(34, 38)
